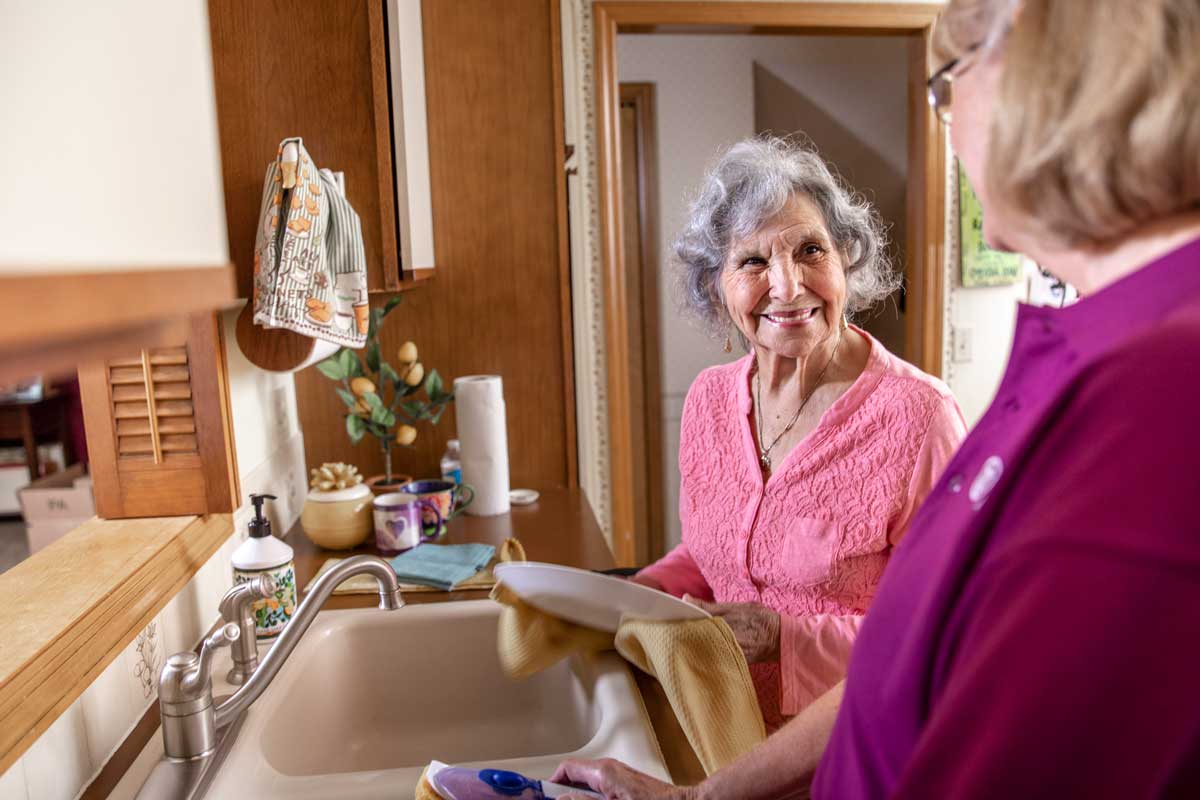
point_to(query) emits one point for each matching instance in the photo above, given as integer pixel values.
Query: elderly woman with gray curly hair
(803, 462)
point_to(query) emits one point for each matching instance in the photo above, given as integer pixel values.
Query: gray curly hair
(751, 182)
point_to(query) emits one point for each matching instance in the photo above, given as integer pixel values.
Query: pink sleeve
(814, 652)
(946, 431)
(678, 574)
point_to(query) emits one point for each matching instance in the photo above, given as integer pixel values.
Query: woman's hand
(755, 627)
(616, 781)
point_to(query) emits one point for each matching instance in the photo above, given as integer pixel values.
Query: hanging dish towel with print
(310, 271)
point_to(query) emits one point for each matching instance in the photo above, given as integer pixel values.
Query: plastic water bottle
(452, 462)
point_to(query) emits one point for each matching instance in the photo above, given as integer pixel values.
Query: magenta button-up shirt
(1038, 632)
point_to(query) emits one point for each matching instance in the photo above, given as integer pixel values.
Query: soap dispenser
(263, 554)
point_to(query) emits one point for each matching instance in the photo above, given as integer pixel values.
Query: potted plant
(382, 400)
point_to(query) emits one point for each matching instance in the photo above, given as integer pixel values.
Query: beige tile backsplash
(65, 759)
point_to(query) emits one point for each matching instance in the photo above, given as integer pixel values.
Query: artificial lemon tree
(383, 400)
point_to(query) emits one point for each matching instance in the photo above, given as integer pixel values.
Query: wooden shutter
(159, 436)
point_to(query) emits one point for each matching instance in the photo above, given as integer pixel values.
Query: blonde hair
(1096, 127)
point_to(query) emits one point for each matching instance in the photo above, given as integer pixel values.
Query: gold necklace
(764, 453)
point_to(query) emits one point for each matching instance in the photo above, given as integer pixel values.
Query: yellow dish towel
(698, 663)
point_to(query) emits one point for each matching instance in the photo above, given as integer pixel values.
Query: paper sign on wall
(981, 265)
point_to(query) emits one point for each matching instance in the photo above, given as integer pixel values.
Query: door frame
(925, 223)
(641, 96)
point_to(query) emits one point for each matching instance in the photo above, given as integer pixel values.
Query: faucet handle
(202, 674)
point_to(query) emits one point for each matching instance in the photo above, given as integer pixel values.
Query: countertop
(559, 528)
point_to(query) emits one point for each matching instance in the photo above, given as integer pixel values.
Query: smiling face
(785, 284)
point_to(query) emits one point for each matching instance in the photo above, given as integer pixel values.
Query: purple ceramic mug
(399, 520)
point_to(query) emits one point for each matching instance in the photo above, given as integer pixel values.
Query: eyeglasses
(939, 88)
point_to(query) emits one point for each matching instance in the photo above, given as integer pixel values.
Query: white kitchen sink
(368, 698)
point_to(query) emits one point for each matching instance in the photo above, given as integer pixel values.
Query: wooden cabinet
(111, 220)
(347, 77)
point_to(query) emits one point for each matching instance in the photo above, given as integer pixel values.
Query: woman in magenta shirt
(803, 462)
(1038, 634)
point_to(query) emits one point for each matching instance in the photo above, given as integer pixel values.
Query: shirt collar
(1143, 296)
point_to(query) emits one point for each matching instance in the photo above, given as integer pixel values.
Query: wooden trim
(612, 234)
(110, 775)
(385, 170)
(108, 580)
(609, 17)
(926, 231)
(762, 17)
(61, 306)
(564, 249)
(642, 95)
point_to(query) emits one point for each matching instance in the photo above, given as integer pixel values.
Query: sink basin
(369, 698)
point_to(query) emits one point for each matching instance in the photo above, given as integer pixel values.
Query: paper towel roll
(483, 438)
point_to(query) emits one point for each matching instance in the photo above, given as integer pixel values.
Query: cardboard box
(58, 497)
(41, 534)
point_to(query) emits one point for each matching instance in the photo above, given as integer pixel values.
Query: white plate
(589, 598)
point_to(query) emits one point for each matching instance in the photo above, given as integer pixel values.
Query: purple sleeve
(679, 574)
(1069, 666)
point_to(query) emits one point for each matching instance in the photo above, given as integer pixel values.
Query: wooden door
(638, 204)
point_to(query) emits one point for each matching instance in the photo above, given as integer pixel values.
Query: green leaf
(331, 368)
(414, 410)
(351, 367)
(392, 303)
(389, 418)
(347, 398)
(438, 416)
(372, 400)
(433, 385)
(378, 431)
(386, 373)
(356, 427)
(373, 356)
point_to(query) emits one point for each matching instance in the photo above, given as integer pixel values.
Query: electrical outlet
(964, 345)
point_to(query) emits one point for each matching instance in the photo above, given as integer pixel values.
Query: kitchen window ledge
(69, 610)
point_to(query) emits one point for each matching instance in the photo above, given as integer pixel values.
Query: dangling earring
(728, 344)
(845, 323)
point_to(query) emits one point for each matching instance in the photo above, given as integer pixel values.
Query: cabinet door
(158, 430)
(315, 70)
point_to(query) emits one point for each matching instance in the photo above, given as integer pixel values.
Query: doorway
(892, 154)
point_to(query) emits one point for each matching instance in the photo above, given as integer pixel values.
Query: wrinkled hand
(616, 781)
(755, 627)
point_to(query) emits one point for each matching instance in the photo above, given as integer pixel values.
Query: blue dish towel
(442, 566)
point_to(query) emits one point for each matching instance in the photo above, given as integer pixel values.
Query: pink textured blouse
(813, 542)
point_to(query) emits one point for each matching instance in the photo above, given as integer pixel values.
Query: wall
(712, 91)
(499, 300)
(270, 449)
(151, 198)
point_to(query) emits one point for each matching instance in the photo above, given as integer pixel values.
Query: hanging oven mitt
(310, 271)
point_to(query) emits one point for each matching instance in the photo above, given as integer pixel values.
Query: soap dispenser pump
(263, 554)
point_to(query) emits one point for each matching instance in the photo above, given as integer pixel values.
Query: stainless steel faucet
(190, 722)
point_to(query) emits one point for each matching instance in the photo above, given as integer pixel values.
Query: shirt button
(956, 484)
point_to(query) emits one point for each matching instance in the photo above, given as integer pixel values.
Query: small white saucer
(523, 497)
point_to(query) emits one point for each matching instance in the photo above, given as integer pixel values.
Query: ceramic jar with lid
(338, 519)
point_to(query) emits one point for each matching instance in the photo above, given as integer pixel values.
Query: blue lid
(458, 783)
